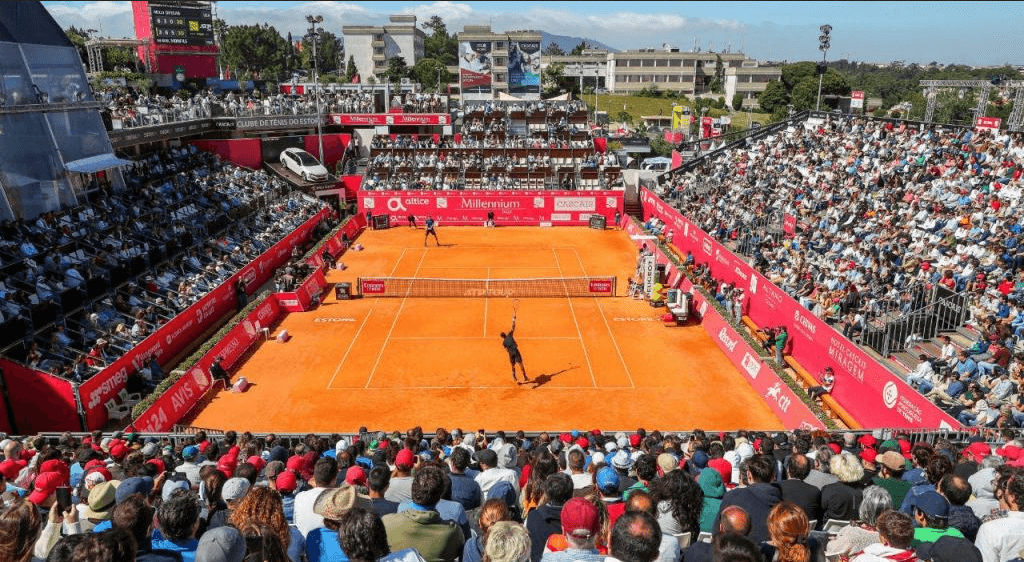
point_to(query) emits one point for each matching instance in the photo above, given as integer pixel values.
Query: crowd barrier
(510, 208)
(871, 393)
(178, 402)
(26, 387)
(388, 119)
(780, 398)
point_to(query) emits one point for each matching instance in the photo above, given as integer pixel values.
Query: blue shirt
(187, 547)
(322, 546)
(465, 490)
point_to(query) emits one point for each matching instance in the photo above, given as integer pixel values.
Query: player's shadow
(545, 378)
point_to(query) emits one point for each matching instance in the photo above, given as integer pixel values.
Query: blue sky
(977, 33)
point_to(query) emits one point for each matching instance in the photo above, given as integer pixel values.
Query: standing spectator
(262, 506)
(322, 544)
(223, 544)
(422, 527)
(325, 477)
(134, 515)
(178, 517)
(491, 473)
(841, 500)
(377, 482)
(507, 541)
(795, 490)
(635, 538)
(400, 486)
(710, 482)
(758, 498)
(1002, 538)
(581, 523)
(465, 490)
(493, 511)
(780, 343)
(546, 520)
(680, 501)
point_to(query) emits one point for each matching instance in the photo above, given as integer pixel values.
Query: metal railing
(946, 312)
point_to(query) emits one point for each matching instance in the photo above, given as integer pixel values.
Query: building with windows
(689, 73)
(491, 64)
(371, 46)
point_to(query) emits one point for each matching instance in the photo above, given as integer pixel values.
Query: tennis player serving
(514, 357)
(431, 228)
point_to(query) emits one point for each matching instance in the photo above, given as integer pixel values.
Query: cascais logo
(803, 321)
(890, 394)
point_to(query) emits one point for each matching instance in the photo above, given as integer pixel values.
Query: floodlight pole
(314, 34)
(823, 41)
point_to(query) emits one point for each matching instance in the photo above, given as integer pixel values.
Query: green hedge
(754, 344)
(191, 361)
(235, 320)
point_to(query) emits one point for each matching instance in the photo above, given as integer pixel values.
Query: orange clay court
(394, 363)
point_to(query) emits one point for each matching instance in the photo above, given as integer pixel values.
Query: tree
(773, 97)
(805, 94)
(115, 58)
(79, 37)
(737, 101)
(439, 44)
(351, 70)
(327, 49)
(718, 83)
(661, 147)
(551, 79)
(397, 69)
(255, 50)
(624, 117)
(578, 49)
(431, 74)
(793, 74)
(553, 50)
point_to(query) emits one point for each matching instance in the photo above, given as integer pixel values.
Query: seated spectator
(263, 506)
(896, 532)
(790, 536)
(422, 527)
(863, 531)
(931, 513)
(322, 543)
(507, 541)
(493, 511)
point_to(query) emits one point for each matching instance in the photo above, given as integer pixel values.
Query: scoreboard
(181, 24)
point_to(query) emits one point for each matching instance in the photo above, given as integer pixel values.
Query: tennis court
(394, 363)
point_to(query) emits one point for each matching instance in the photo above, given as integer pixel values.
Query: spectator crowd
(81, 286)
(887, 212)
(471, 496)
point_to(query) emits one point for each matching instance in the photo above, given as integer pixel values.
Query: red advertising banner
(184, 395)
(988, 123)
(301, 299)
(39, 401)
(777, 394)
(188, 391)
(182, 330)
(871, 393)
(402, 119)
(519, 207)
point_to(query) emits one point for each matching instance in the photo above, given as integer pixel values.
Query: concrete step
(905, 360)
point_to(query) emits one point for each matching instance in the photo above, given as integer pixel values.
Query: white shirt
(488, 478)
(1002, 539)
(305, 519)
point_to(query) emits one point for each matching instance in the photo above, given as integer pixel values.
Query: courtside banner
(182, 330)
(777, 394)
(872, 394)
(374, 119)
(39, 401)
(510, 208)
(301, 299)
(189, 390)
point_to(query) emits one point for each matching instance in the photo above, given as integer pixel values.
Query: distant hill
(568, 43)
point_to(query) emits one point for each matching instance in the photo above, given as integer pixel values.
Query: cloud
(111, 19)
(454, 14)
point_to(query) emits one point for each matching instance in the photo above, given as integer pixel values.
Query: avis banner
(182, 330)
(518, 208)
(873, 395)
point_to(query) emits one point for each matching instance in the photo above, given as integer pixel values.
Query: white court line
(486, 300)
(604, 317)
(407, 388)
(586, 354)
(394, 322)
(479, 338)
(355, 338)
(485, 267)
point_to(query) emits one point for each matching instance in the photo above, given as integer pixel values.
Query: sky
(973, 33)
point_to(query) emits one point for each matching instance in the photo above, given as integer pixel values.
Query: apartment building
(371, 46)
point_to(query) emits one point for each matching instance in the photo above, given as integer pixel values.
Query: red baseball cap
(869, 456)
(978, 451)
(580, 518)
(405, 459)
(634, 440)
(583, 442)
(867, 440)
(258, 462)
(286, 482)
(1011, 452)
(355, 476)
(296, 463)
(159, 464)
(44, 486)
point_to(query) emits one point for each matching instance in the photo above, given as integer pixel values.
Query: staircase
(634, 209)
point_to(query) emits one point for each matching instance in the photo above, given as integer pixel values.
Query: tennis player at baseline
(514, 357)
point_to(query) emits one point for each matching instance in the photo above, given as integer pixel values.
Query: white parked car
(303, 164)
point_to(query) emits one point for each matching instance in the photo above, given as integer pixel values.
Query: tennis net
(516, 288)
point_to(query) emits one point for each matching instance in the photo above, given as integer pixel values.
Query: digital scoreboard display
(181, 24)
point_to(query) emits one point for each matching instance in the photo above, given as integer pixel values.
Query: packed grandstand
(861, 272)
